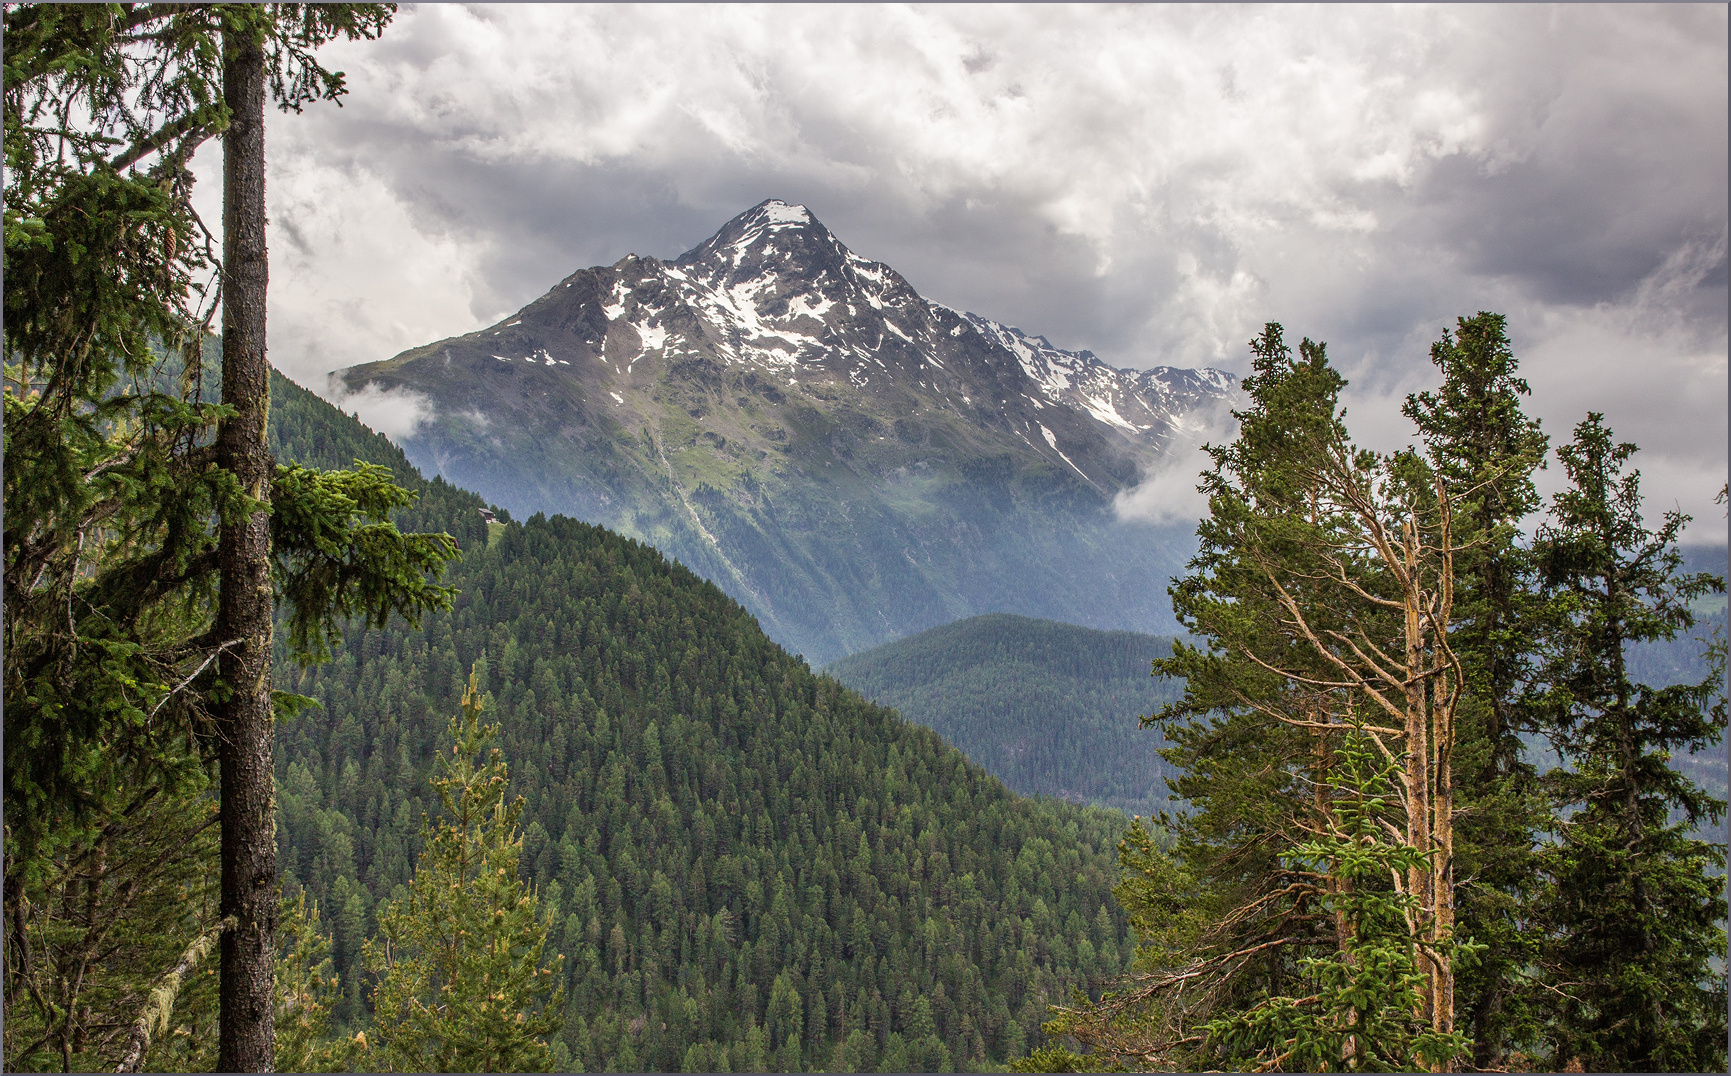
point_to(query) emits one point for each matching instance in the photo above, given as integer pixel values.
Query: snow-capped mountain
(798, 423)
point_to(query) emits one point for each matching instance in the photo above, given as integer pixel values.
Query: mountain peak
(777, 253)
(798, 423)
(776, 211)
(769, 218)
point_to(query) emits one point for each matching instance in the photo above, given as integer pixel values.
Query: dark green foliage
(1048, 708)
(714, 817)
(305, 988)
(1352, 1010)
(110, 491)
(1684, 659)
(119, 669)
(1601, 904)
(106, 919)
(106, 510)
(1246, 919)
(1486, 449)
(114, 491)
(341, 555)
(708, 817)
(1634, 913)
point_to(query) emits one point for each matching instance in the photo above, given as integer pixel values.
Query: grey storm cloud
(1151, 183)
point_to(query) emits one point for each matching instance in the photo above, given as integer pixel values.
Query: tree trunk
(246, 1041)
(1418, 761)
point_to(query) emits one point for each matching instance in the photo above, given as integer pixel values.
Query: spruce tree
(461, 987)
(1239, 768)
(1356, 1009)
(126, 670)
(1634, 914)
(1323, 589)
(1486, 449)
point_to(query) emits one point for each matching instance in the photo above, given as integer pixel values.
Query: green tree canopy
(1634, 912)
(461, 982)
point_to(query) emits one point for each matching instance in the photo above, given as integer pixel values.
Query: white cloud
(396, 413)
(1169, 493)
(1149, 182)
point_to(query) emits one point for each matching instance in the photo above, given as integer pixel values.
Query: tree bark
(246, 1039)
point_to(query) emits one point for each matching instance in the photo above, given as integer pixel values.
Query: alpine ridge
(850, 460)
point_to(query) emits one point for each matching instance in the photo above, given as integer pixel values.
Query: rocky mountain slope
(850, 460)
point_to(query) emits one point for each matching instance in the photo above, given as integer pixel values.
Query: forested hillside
(749, 865)
(1049, 708)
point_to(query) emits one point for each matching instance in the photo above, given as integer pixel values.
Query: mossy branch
(160, 1004)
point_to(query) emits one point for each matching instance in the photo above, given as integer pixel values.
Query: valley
(745, 864)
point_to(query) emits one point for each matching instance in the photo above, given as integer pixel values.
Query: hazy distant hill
(849, 460)
(1050, 708)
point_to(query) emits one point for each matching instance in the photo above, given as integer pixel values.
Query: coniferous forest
(746, 864)
(1050, 708)
(314, 764)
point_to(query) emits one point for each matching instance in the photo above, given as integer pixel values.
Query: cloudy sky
(1151, 183)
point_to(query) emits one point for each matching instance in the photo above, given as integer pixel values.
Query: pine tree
(1635, 912)
(1324, 591)
(461, 987)
(1358, 1009)
(1486, 449)
(307, 988)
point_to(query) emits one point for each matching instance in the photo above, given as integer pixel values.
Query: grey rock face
(850, 460)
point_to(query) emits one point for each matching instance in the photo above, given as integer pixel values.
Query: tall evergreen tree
(1240, 768)
(242, 708)
(119, 649)
(1634, 914)
(1324, 591)
(1486, 449)
(461, 985)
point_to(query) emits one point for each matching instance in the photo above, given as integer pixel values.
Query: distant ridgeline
(750, 866)
(1050, 708)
